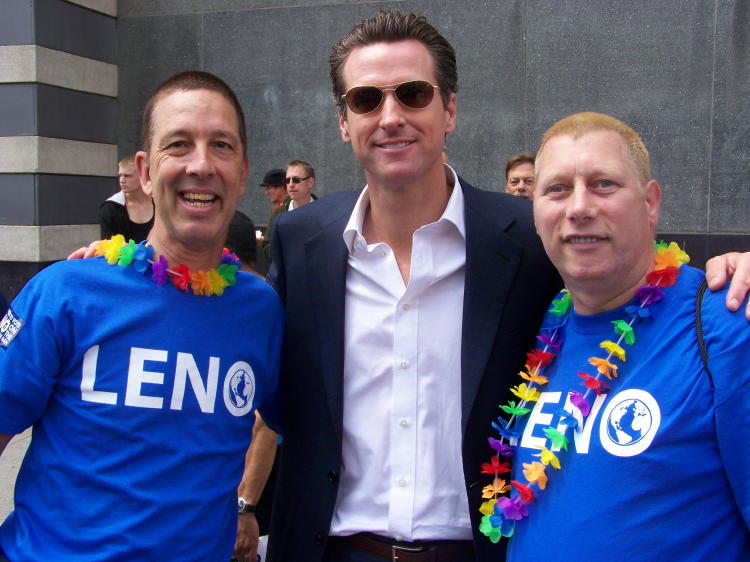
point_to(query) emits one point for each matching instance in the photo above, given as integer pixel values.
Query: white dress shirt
(402, 472)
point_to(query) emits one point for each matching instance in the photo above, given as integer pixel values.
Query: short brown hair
(579, 124)
(517, 159)
(390, 27)
(308, 169)
(185, 81)
(127, 161)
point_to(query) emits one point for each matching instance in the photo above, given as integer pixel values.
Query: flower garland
(500, 511)
(141, 257)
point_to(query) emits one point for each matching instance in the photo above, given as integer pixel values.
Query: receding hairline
(191, 80)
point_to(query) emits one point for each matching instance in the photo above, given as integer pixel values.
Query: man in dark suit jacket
(506, 282)
(509, 282)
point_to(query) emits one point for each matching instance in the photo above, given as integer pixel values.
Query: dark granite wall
(677, 70)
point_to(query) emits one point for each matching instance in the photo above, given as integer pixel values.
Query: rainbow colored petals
(495, 466)
(613, 349)
(558, 440)
(501, 448)
(524, 492)
(604, 367)
(159, 270)
(511, 508)
(526, 392)
(579, 401)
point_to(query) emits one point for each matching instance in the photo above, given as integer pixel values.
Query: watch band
(244, 507)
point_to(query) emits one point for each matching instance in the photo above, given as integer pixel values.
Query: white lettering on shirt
(88, 379)
(137, 376)
(238, 387)
(627, 426)
(206, 395)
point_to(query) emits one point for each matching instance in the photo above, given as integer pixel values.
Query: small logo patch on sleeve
(10, 325)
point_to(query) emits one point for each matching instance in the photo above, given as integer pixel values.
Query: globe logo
(241, 387)
(629, 423)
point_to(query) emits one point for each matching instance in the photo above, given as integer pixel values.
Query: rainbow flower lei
(500, 511)
(141, 257)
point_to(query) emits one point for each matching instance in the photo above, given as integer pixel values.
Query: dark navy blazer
(509, 283)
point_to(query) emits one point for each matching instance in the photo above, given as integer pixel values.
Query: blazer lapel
(325, 264)
(492, 259)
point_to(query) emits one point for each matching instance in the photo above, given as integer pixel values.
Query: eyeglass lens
(415, 94)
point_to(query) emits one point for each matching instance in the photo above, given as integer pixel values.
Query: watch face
(241, 503)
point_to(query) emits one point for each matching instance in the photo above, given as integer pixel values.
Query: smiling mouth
(198, 200)
(583, 239)
(401, 144)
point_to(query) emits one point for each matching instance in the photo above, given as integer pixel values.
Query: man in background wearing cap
(273, 183)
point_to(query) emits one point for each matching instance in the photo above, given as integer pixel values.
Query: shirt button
(399, 537)
(403, 423)
(404, 364)
(402, 482)
(406, 306)
(382, 253)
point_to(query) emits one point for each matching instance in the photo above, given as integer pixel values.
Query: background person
(519, 175)
(129, 212)
(299, 180)
(241, 241)
(273, 183)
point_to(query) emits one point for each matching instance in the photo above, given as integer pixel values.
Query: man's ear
(652, 194)
(344, 127)
(451, 110)
(144, 173)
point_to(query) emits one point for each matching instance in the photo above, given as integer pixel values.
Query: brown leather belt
(418, 551)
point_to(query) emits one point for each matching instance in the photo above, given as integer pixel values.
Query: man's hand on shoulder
(84, 252)
(734, 266)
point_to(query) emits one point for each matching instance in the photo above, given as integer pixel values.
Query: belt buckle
(395, 549)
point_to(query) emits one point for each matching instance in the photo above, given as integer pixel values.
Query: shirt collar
(453, 213)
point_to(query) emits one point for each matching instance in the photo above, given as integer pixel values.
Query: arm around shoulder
(734, 266)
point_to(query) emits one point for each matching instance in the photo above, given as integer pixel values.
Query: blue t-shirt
(141, 399)
(659, 470)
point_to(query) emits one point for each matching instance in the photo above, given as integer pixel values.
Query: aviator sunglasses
(414, 94)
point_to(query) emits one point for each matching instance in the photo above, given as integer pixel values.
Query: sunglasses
(414, 94)
(296, 179)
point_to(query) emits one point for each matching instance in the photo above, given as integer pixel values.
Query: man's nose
(200, 163)
(580, 203)
(391, 111)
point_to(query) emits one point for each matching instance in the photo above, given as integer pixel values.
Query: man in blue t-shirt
(629, 439)
(140, 371)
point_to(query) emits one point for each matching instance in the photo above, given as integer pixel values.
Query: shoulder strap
(699, 328)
